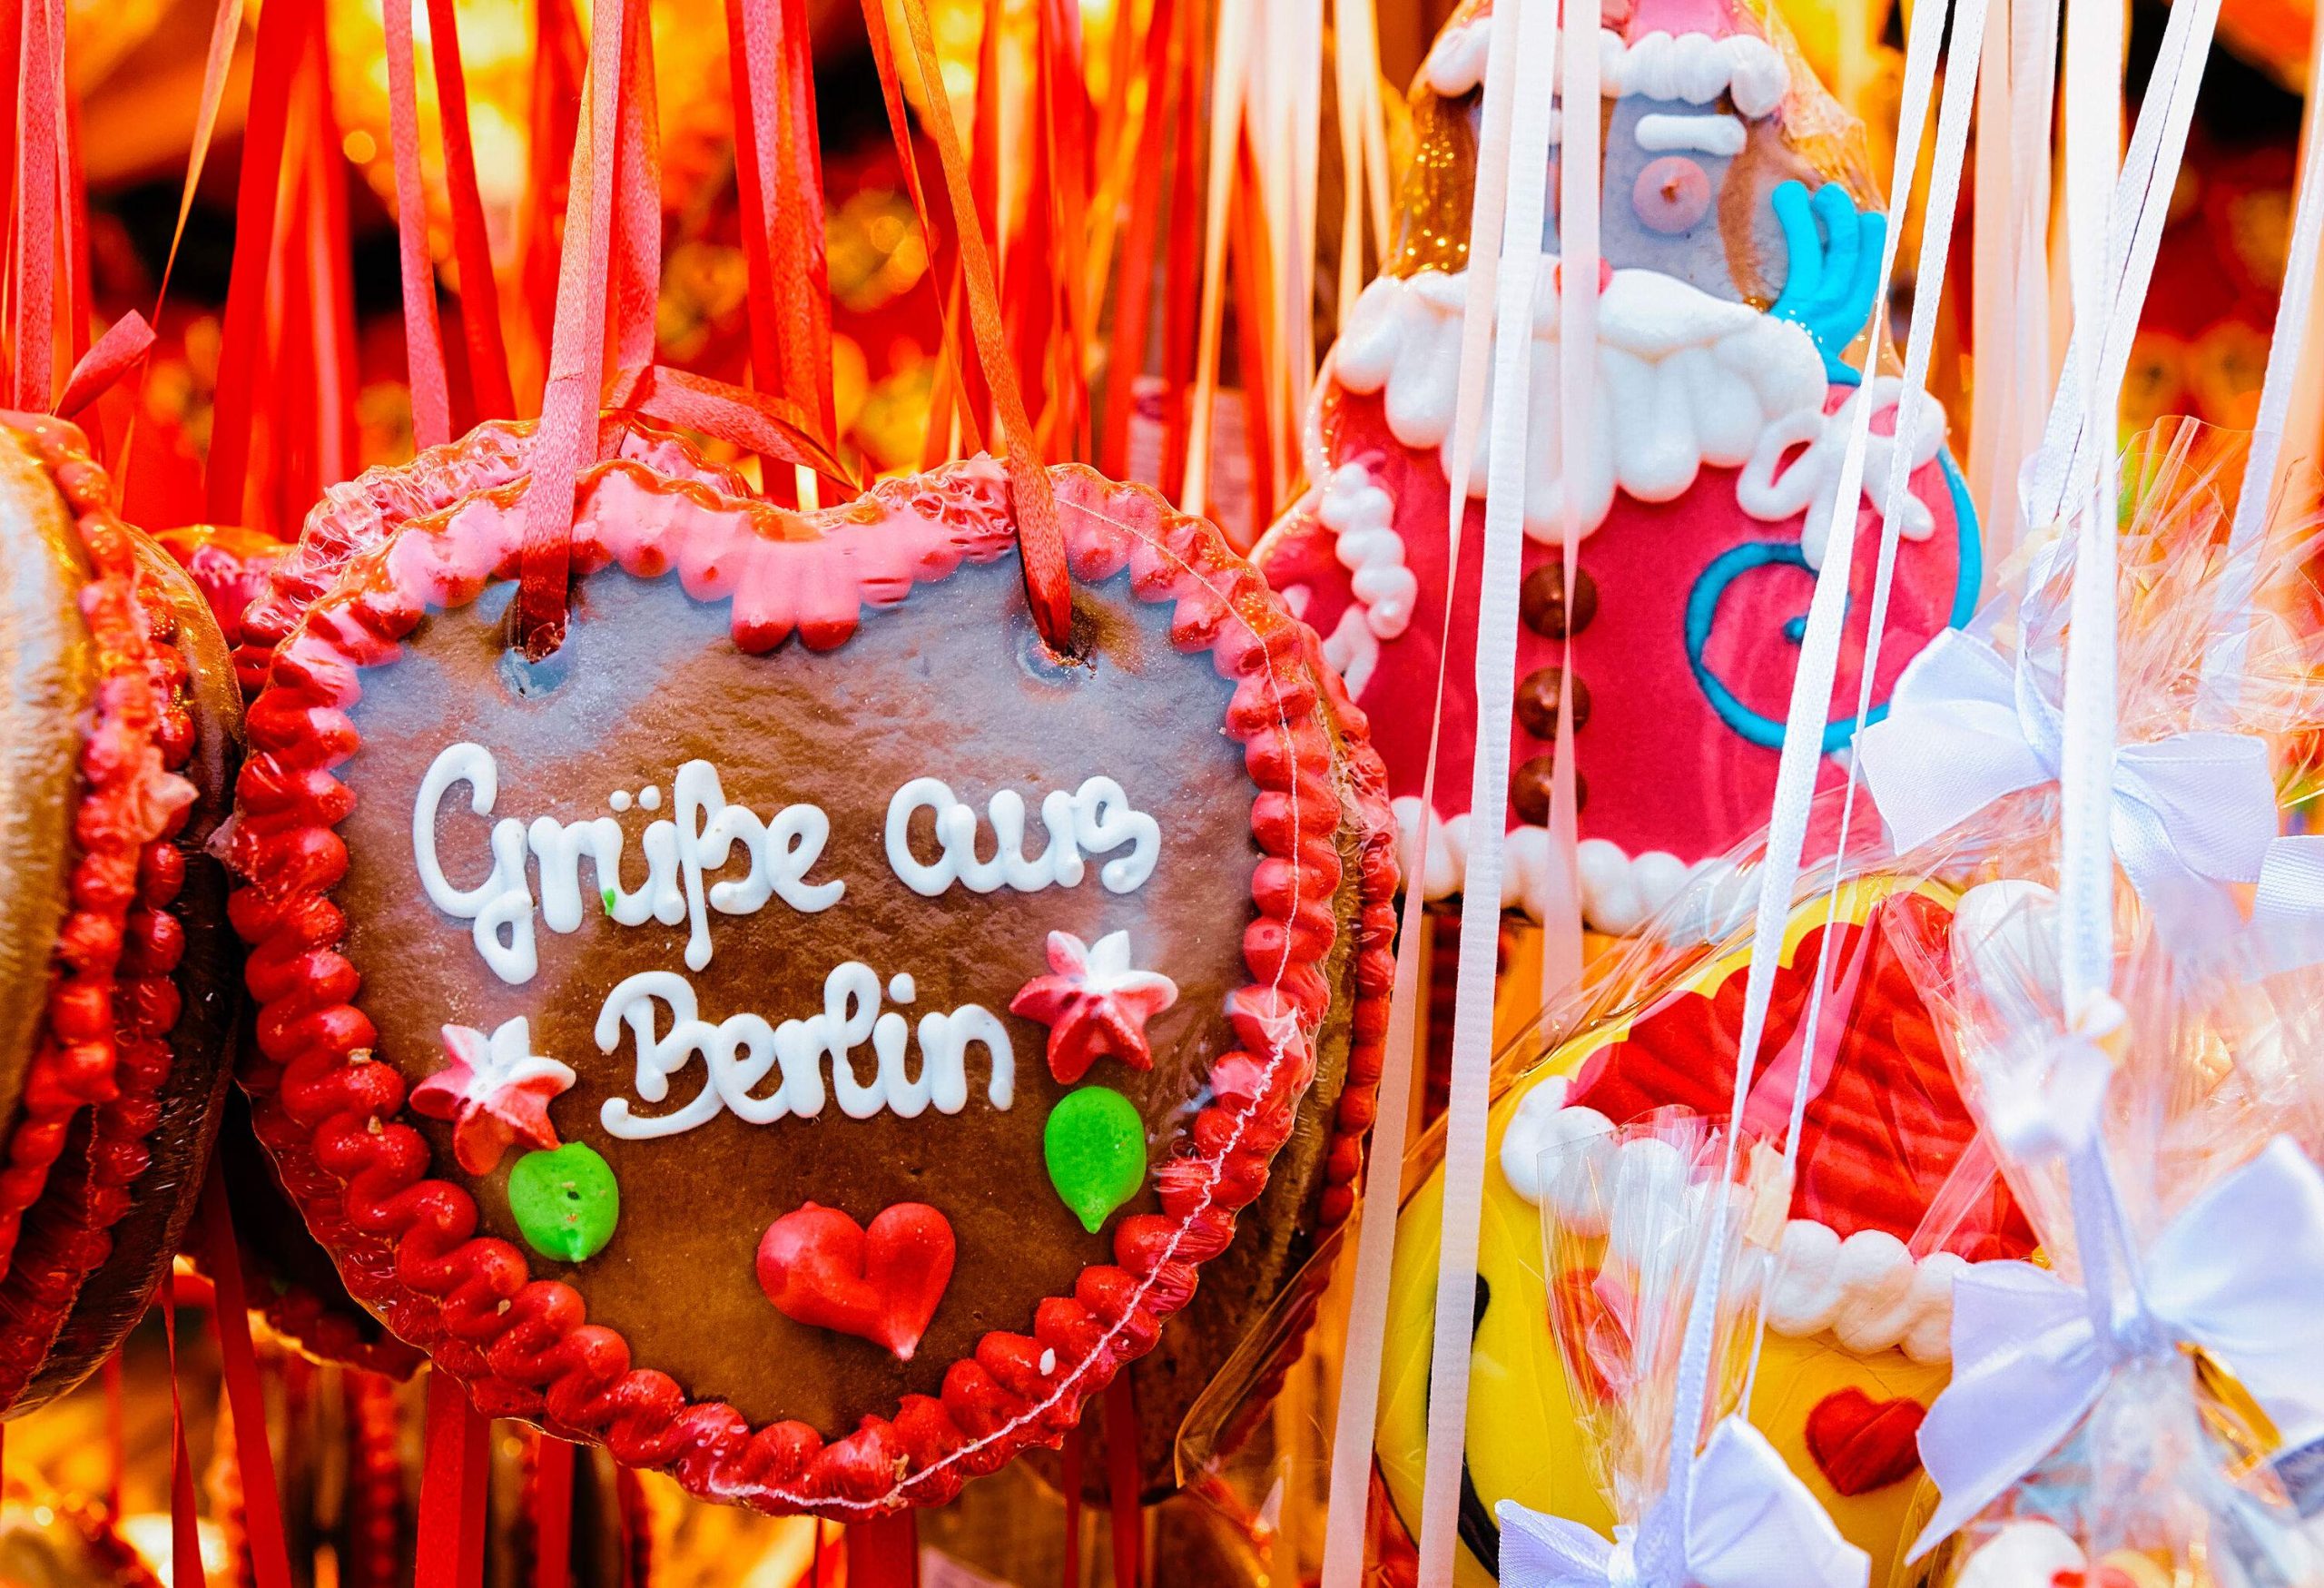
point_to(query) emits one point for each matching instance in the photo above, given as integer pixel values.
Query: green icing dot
(1095, 1144)
(566, 1201)
(607, 896)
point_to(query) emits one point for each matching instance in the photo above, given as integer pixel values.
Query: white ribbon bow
(2192, 813)
(2239, 1273)
(1744, 1521)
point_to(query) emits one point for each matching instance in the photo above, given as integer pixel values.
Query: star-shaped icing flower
(1094, 1005)
(495, 1090)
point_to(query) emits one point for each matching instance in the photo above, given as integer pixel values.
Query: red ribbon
(576, 347)
(780, 183)
(471, 243)
(245, 1396)
(453, 1475)
(552, 1512)
(763, 424)
(423, 338)
(185, 1520)
(110, 358)
(1133, 290)
(1040, 541)
(885, 1553)
(283, 30)
(39, 104)
(1122, 1483)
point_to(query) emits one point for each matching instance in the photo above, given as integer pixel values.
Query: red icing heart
(2105, 1577)
(820, 1268)
(1860, 1443)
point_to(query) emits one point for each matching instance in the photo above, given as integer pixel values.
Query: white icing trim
(1694, 67)
(1685, 380)
(1713, 133)
(1701, 903)
(1866, 1289)
(1772, 488)
(741, 1050)
(1093, 819)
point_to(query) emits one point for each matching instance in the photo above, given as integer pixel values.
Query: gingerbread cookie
(1891, 1202)
(750, 1155)
(1740, 243)
(117, 974)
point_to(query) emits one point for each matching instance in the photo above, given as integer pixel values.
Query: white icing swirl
(1775, 484)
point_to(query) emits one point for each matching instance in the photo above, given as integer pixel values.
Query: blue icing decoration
(1835, 268)
(1702, 608)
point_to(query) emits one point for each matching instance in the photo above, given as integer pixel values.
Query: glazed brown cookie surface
(649, 680)
(802, 997)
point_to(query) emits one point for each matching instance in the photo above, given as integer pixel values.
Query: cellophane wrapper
(1626, 1224)
(1873, 924)
(2175, 1476)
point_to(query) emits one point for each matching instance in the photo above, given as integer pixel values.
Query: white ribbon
(2048, 1107)
(2239, 1273)
(2191, 814)
(1745, 1521)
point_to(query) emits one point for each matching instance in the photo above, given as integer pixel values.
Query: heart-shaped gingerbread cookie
(737, 891)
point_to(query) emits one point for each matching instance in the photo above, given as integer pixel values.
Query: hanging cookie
(760, 857)
(117, 971)
(1739, 240)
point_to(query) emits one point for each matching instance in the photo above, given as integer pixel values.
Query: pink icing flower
(495, 1090)
(1094, 1005)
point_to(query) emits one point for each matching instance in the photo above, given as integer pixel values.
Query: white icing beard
(1690, 66)
(1685, 381)
(1868, 1289)
(1620, 893)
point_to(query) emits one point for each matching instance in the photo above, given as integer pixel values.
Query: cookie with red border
(118, 976)
(804, 1034)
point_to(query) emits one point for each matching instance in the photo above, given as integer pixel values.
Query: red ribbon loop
(111, 357)
(756, 420)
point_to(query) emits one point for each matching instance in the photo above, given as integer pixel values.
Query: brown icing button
(1541, 601)
(1529, 790)
(1537, 703)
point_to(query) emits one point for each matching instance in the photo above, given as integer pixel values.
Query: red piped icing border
(407, 1243)
(111, 998)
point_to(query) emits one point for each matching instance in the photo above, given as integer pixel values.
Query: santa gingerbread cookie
(805, 1033)
(117, 971)
(1739, 245)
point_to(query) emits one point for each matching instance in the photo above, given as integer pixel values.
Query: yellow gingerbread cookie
(1888, 1208)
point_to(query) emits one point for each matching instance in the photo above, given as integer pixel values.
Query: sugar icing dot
(650, 797)
(618, 799)
(901, 987)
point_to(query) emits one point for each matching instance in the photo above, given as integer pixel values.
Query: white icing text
(743, 1050)
(697, 838)
(1094, 819)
